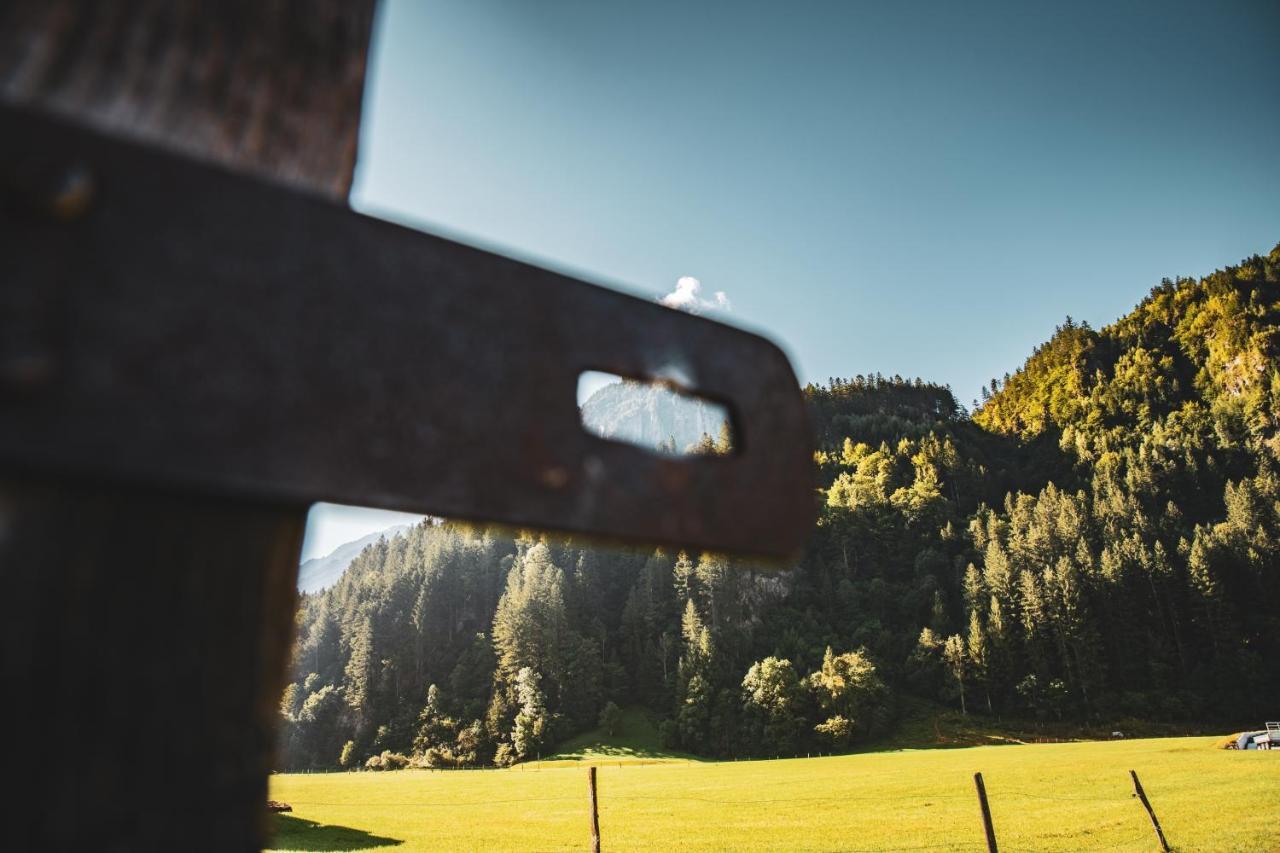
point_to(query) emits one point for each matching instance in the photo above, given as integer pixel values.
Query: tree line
(1098, 538)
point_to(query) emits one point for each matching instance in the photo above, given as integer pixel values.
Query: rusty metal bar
(214, 333)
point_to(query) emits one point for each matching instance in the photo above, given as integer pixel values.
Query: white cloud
(687, 297)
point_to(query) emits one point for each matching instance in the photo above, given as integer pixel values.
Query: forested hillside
(1099, 539)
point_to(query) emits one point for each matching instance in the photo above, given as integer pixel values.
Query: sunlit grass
(1074, 796)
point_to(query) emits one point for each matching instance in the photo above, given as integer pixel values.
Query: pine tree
(956, 658)
(978, 661)
(532, 721)
(359, 672)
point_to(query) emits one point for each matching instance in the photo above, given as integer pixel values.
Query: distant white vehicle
(1268, 739)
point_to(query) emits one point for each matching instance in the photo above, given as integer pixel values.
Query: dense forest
(1099, 538)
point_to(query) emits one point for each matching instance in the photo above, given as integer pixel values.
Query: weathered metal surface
(268, 86)
(219, 334)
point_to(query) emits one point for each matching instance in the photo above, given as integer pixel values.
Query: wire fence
(1115, 836)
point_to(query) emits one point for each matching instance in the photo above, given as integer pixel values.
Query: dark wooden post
(147, 631)
(987, 826)
(595, 812)
(144, 650)
(1155, 823)
(273, 89)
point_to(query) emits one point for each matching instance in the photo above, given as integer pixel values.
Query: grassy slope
(921, 724)
(635, 742)
(1071, 796)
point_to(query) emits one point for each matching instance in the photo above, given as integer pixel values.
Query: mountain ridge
(651, 416)
(319, 573)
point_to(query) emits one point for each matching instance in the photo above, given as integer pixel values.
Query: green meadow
(1062, 796)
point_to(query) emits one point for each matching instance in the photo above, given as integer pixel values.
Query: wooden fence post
(1142, 795)
(141, 615)
(595, 813)
(986, 813)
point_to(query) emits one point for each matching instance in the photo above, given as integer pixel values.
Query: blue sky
(913, 188)
(332, 525)
(924, 189)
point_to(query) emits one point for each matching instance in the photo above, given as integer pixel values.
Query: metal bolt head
(26, 372)
(60, 192)
(70, 195)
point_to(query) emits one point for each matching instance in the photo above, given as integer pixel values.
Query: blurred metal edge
(207, 326)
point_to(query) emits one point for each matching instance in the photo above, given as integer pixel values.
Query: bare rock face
(650, 415)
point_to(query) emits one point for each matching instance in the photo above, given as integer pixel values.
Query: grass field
(1069, 796)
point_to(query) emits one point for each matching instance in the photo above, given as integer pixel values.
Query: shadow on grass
(597, 751)
(295, 833)
(636, 740)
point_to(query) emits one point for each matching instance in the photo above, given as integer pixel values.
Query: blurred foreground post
(147, 631)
